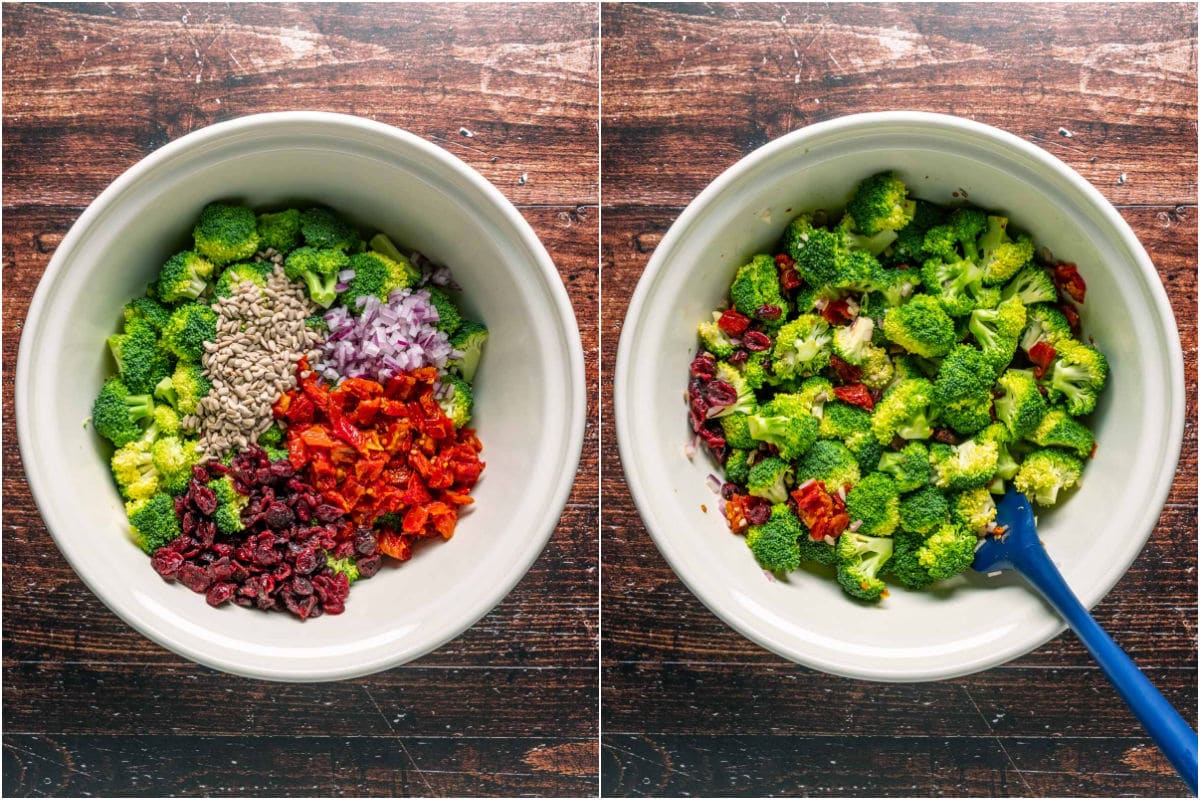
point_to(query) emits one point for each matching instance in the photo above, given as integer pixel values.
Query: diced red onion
(841, 492)
(806, 484)
(821, 304)
(854, 526)
(714, 483)
(689, 449)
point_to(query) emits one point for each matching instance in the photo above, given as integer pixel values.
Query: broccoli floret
(186, 332)
(903, 411)
(1044, 473)
(449, 317)
(1044, 323)
(958, 238)
(905, 565)
(842, 420)
(920, 326)
(117, 413)
(1057, 429)
(380, 243)
(876, 501)
(819, 253)
(457, 406)
(230, 503)
(140, 361)
(813, 394)
(769, 479)
(973, 510)
(737, 464)
(895, 286)
(756, 370)
(152, 521)
(134, 470)
(1001, 256)
(802, 347)
(166, 420)
(909, 240)
(183, 277)
(226, 233)
(343, 566)
(852, 343)
(318, 269)
(468, 340)
(1033, 285)
(1021, 406)
(964, 466)
(965, 376)
(279, 231)
(880, 203)
(923, 510)
(1006, 465)
(1077, 377)
(272, 436)
(755, 285)
(242, 272)
(784, 423)
(736, 428)
(860, 561)
(876, 369)
(958, 286)
(376, 275)
(967, 416)
(830, 462)
(745, 401)
(866, 450)
(774, 543)
(997, 331)
(147, 310)
(909, 467)
(323, 229)
(859, 271)
(947, 551)
(715, 340)
(174, 458)
(316, 322)
(184, 389)
(816, 552)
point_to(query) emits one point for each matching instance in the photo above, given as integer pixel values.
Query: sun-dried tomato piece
(837, 312)
(784, 262)
(823, 513)
(855, 394)
(1072, 316)
(847, 373)
(1042, 355)
(1070, 282)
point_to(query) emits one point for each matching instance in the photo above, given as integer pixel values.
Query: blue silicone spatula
(1019, 549)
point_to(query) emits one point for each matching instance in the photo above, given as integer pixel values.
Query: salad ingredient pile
(873, 384)
(253, 478)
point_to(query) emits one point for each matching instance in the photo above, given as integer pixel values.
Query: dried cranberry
(328, 513)
(166, 562)
(733, 322)
(301, 586)
(720, 393)
(199, 473)
(756, 341)
(768, 312)
(728, 490)
(739, 357)
(220, 593)
(194, 577)
(369, 565)
(282, 469)
(757, 513)
(279, 516)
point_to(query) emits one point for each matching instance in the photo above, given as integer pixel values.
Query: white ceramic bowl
(530, 398)
(975, 622)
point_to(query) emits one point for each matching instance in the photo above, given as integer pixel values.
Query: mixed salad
(290, 407)
(875, 382)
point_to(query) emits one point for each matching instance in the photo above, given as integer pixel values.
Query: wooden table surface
(690, 707)
(90, 706)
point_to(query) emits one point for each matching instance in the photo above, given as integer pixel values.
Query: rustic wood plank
(883, 766)
(299, 766)
(509, 707)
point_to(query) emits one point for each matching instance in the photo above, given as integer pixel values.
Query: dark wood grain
(693, 707)
(509, 707)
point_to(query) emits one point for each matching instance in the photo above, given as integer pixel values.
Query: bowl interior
(972, 622)
(384, 180)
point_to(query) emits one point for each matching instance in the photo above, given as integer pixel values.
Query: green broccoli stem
(320, 288)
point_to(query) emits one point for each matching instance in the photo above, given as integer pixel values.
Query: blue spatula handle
(1169, 730)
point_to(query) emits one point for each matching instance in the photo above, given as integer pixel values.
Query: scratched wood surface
(690, 707)
(93, 708)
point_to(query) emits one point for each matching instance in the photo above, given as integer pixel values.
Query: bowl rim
(857, 124)
(576, 407)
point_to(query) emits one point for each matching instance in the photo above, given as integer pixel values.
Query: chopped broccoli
(318, 269)
(830, 462)
(905, 564)
(117, 413)
(1057, 429)
(183, 277)
(785, 423)
(852, 343)
(174, 458)
(802, 347)
(947, 551)
(769, 479)
(166, 420)
(449, 317)
(272, 436)
(910, 239)
(737, 465)
(230, 503)
(909, 467)
(140, 361)
(1021, 406)
(737, 431)
(190, 326)
(152, 521)
(226, 233)
(957, 238)
(1033, 285)
(279, 231)
(755, 285)
(1001, 256)
(880, 203)
(964, 466)
(958, 286)
(134, 470)
(184, 389)
(962, 393)
(1077, 376)
(813, 394)
(920, 326)
(1006, 465)
(323, 229)
(148, 310)
(343, 566)
(816, 552)
(841, 420)
(860, 561)
(376, 275)
(1044, 473)
(973, 510)
(469, 341)
(775, 543)
(876, 502)
(903, 411)
(923, 510)
(457, 406)
(380, 243)
(997, 331)
(744, 403)
(877, 369)
(1044, 323)
(239, 273)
